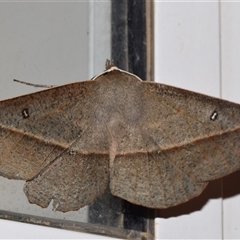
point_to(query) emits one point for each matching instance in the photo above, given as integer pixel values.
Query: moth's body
(158, 145)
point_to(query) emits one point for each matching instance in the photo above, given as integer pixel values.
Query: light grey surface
(42, 43)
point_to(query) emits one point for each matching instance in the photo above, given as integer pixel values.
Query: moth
(155, 145)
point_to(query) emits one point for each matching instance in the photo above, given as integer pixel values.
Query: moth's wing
(183, 140)
(72, 182)
(54, 125)
(152, 180)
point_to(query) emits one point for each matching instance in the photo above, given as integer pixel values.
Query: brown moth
(156, 145)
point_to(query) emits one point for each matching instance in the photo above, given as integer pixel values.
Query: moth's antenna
(33, 84)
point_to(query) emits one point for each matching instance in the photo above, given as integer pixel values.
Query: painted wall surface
(191, 54)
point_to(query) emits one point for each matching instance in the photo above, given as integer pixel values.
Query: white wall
(191, 55)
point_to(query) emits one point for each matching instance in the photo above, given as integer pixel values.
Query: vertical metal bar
(132, 50)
